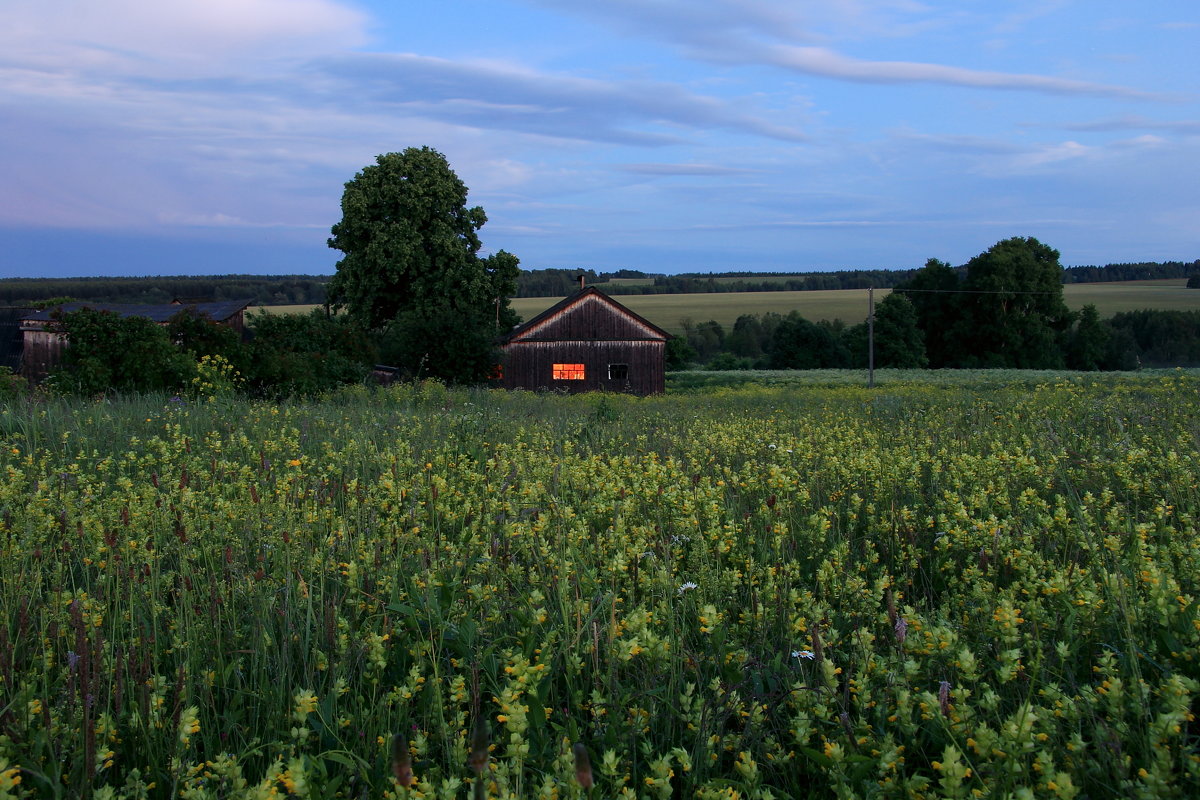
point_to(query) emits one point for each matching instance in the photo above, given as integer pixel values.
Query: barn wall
(41, 353)
(530, 365)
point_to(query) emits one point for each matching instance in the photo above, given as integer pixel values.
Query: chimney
(581, 279)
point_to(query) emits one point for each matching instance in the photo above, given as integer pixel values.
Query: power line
(969, 291)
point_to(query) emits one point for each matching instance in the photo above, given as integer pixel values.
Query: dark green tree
(411, 252)
(934, 292)
(678, 354)
(801, 344)
(1088, 344)
(746, 339)
(1013, 309)
(899, 342)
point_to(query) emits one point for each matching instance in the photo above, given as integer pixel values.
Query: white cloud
(86, 34)
(492, 95)
(827, 63)
(753, 32)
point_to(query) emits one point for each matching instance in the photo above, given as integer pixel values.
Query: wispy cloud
(827, 63)
(749, 32)
(684, 169)
(1133, 122)
(507, 96)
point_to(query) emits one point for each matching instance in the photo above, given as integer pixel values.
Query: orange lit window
(497, 372)
(568, 372)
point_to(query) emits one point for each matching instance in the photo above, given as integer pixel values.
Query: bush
(305, 354)
(124, 354)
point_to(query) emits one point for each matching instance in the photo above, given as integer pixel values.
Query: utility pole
(870, 337)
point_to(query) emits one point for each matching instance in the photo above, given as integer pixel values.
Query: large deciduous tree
(411, 254)
(1014, 310)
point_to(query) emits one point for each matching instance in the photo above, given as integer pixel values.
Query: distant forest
(309, 289)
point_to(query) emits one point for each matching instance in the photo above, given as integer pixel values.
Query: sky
(216, 136)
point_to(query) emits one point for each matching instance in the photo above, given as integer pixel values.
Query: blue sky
(214, 136)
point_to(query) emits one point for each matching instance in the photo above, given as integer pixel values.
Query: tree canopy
(412, 258)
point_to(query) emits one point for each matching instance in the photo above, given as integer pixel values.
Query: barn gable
(586, 342)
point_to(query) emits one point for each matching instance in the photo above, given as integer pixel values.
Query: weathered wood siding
(42, 352)
(619, 351)
(530, 365)
(592, 318)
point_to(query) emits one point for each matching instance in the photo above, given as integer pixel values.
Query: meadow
(848, 305)
(953, 585)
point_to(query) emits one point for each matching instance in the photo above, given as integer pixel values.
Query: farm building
(42, 343)
(587, 342)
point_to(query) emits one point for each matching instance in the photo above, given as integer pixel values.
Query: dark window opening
(618, 372)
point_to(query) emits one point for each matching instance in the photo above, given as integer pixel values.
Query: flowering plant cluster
(984, 590)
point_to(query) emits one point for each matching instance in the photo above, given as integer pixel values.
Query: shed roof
(158, 312)
(530, 329)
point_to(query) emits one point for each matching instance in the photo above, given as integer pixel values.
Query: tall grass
(922, 590)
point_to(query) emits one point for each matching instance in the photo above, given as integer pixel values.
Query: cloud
(752, 32)
(492, 95)
(684, 169)
(826, 63)
(219, 220)
(175, 36)
(1133, 122)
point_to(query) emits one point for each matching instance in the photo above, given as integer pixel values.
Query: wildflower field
(984, 588)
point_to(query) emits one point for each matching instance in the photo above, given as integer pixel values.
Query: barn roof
(158, 312)
(529, 330)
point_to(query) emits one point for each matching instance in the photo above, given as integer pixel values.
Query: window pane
(568, 372)
(618, 372)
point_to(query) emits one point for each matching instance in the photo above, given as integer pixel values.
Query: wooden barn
(43, 343)
(587, 342)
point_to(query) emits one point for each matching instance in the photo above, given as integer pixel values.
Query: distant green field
(850, 305)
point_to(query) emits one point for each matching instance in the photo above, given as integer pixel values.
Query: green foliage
(706, 338)
(109, 352)
(298, 354)
(1088, 346)
(440, 342)
(1014, 311)
(1194, 282)
(12, 386)
(801, 344)
(678, 354)
(51, 302)
(199, 336)
(899, 341)
(1161, 338)
(410, 245)
(933, 293)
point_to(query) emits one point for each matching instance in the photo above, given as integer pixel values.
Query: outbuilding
(43, 341)
(587, 342)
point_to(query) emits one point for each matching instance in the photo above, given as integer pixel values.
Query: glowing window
(568, 372)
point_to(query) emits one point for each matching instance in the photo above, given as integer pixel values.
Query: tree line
(551, 282)
(260, 289)
(1003, 309)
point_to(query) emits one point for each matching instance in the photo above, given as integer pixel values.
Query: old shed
(587, 342)
(43, 343)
